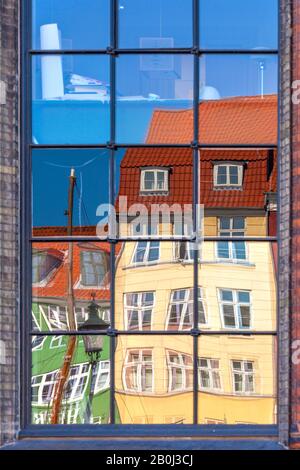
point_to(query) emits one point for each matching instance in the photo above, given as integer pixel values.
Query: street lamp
(93, 345)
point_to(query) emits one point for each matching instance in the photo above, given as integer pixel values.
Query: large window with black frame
(151, 148)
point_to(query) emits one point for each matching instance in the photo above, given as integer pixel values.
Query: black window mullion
(195, 211)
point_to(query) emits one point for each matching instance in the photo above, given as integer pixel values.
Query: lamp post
(93, 345)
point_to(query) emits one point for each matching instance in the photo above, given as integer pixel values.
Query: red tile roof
(61, 231)
(56, 286)
(241, 120)
(180, 161)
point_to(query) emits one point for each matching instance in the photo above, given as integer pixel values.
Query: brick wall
(8, 218)
(284, 209)
(295, 260)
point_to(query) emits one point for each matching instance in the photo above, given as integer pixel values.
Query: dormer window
(154, 180)
(228, 175)
(43, 263)
(94, 269)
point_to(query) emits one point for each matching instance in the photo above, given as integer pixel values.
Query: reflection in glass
(155, 24)
(71, 24)
(154, 380)
(240, 294)
(66, 277)
(244, 206)
(237, 380)
(154, 192)
(237, 111)
(149, 87)
(84, 397)
(155, 294)
(51, 171)
(238, 25)
(71, 96)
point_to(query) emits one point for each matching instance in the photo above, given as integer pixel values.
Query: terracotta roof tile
(56, 286)
(242, 120)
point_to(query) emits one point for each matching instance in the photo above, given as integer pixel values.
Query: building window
(235, 308)
(94, 269)
(138, 371)
(146, 252)
(154, 180)
(138, 308)
(231, 227)
(181, 309)
(102, 379)
(57, 342)
(43, 264)
(37, 342)
(77, 382)
(180, 367)
(43, 385)
(243, 377)
(209, 374)
(228, 176)
(42, 388)
(184, 251)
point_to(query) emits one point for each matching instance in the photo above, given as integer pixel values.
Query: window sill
(152, 444)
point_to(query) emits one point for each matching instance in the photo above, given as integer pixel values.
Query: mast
(71, 345)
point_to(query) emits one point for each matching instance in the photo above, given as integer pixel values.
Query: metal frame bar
(176, 50)
(27, 240)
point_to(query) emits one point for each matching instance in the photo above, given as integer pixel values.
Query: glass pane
(51, 171)
(151, 90)
(161, 212)
(84, 397)
(70, 24)
(233, 24)
(239, 110)
(163, 288)
(155, 24)
(240, 394)
(230, 285)
(71, 96)
(251, 207)
(154, 380)
(66, 276)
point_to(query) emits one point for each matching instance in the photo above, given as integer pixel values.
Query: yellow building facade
(236, 373)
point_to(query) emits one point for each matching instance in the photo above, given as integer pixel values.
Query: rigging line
(80, 200)
(86, 217)
(71, 166)
(83, 205)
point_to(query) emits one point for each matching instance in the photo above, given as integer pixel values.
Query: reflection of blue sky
(144, 83)
(51, 171)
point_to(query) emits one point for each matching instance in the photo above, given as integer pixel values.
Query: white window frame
(140, 364)
(103, 368)
(105, 283)
(179, 365)
(235, 303)
(57, 342)
(40, 345)
(211, 370)
(244, 374)
(140, 307)
(188, 300)
(232, 232)
(146, 254)
(54, 315)
(155, 171)
(53, 378)
(188, 257)
(227, 165)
